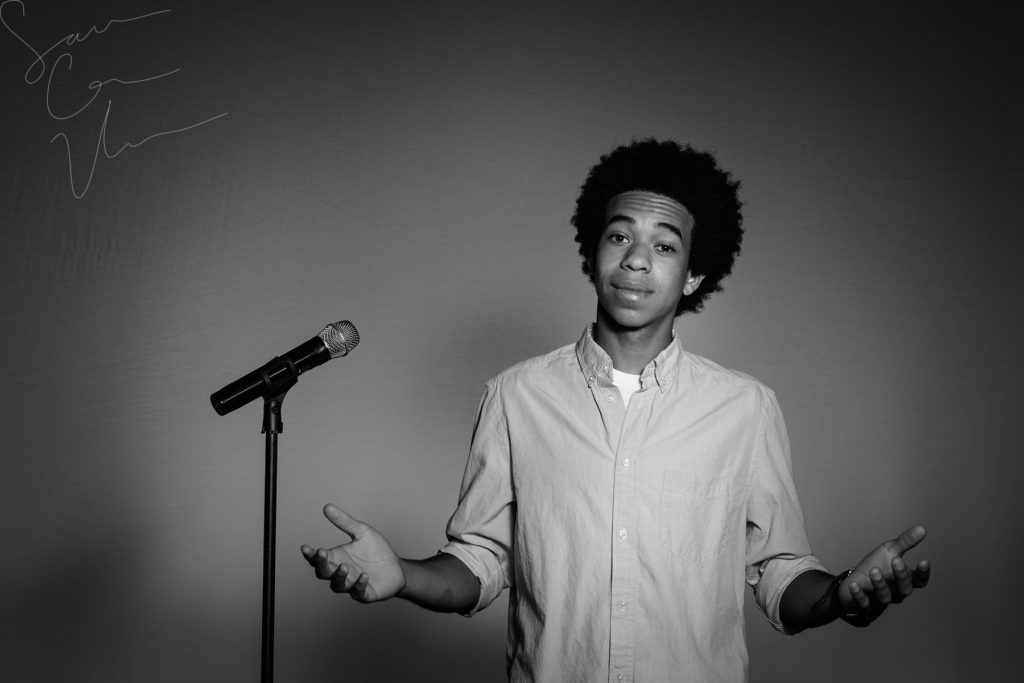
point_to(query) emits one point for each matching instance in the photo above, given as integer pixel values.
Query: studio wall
(192, 188)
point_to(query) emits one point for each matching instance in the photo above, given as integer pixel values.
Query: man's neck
(631, 349)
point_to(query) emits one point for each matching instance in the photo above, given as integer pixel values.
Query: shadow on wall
(76, 616)
(397, 641)
(91, 616)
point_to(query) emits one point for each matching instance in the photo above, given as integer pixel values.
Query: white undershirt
(626, 383)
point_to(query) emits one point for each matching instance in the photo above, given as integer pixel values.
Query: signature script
(41, 67)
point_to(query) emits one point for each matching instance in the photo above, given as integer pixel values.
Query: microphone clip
(279, 375)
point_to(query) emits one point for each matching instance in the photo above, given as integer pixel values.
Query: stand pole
(272, 426)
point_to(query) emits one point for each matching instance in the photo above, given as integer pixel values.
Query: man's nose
(637, 258)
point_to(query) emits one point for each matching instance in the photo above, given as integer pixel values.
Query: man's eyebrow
(667, 226)
(672, 228)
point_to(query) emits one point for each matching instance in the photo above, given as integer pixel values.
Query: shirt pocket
(695, 514)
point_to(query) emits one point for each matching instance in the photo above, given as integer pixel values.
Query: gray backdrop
(247, 172)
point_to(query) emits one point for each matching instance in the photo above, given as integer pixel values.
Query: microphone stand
(272, 382)
(278, 378)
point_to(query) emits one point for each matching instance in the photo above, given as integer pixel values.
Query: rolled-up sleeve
(777, 545)
(480, 530)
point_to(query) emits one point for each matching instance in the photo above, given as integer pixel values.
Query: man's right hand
(367, 568)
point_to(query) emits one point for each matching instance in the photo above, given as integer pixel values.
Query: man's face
(641, 265)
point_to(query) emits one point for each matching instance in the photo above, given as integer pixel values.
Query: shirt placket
(624, 570)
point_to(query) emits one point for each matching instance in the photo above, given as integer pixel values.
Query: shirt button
(620, 678)
(610, 398)
(622, 604)
(623, 534)
(626, 463)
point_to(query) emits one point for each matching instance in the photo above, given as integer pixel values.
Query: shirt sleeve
(777, 545)
(480, 530)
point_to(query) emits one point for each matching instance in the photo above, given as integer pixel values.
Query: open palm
(882, 578)
(367, 567)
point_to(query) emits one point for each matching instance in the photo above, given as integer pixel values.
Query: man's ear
(692, 283)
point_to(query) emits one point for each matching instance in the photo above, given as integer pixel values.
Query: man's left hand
(882, 578)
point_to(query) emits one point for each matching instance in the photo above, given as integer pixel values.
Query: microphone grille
(340, 338)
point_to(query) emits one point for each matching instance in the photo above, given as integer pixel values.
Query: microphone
(280, 373)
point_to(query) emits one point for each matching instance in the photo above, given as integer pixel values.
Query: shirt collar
(595, 362)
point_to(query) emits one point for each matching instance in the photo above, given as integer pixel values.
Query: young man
(624, 489)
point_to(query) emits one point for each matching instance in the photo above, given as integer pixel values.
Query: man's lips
(632, 286)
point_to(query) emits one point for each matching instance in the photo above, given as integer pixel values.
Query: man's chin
(624, 319)
(627, 319)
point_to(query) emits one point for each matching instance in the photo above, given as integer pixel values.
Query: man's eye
(617, 238)
(666, 248)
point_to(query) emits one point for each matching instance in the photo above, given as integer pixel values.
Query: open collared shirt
(626, 534)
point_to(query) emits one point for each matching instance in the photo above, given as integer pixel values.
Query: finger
(903, 582)
(859, 596)
(322, 564)
(909, 538)
(308, 553)
(341, 519)
(359, 588)
(339, 579)
(882, 593)
(921, 574)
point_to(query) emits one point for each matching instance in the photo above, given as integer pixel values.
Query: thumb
(909, 538)
(341, 519)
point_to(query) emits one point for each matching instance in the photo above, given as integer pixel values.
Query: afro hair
(684, 174)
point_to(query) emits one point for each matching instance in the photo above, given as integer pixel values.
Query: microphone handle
(270, 379)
